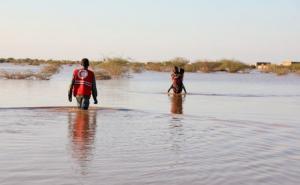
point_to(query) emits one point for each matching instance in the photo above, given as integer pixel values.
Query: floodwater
(230, 129)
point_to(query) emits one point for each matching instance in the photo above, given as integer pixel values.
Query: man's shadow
(177, 103)
(82, 131)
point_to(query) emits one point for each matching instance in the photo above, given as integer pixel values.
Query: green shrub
(277, 69)
(102, 75)
(136, 67)
(232, 66)
(16, 75)
(191, 67)
(178, 61)
(49, 70)
(295, 68)
(155, 66)
(207, 66)
(115, 67)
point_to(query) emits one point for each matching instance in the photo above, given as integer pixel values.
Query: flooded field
(230, 129)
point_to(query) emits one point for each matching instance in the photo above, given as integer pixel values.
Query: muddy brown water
(230, 129)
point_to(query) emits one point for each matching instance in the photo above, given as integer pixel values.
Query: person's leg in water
(171, 87)
(177, 89)
(83, 102)
(79, 100)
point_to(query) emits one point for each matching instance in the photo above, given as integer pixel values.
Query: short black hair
(181, 71)
(175, 69)
(85, 62)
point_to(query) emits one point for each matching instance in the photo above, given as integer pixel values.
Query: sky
(151, 30)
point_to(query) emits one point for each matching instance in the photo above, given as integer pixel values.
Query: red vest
(83, 82)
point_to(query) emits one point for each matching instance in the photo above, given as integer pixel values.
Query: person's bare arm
(71, 89)
(94, 90)
(184, 88)
(170, 88)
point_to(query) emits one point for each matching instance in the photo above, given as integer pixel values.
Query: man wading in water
(83, 85)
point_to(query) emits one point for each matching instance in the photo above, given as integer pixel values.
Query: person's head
(85, 62)
(175, 69)
(181, 71)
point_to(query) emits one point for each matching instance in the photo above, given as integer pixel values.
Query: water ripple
(66, 146)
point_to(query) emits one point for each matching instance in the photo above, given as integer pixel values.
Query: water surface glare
(230, 129)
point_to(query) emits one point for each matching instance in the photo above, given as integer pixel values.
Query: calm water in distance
(230, 129)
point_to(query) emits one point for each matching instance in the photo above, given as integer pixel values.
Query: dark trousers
(83, 102)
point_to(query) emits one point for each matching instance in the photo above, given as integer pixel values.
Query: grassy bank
(295, 68)
(110, 68)
(35, 62)
(282, 70)
(166, 66)
(231, 66)
(115, 67)
(119, 67)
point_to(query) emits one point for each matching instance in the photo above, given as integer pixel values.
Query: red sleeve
(75, 72)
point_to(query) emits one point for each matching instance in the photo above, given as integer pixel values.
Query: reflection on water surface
(232, 129)
(176, 103)
(82, 131)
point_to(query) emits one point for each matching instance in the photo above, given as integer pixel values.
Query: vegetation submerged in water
(119, 67)
(231, 66)
(44, 74)
(282, 70)
(35, 62)
(114, 67)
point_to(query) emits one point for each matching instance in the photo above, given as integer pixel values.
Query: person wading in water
(83, 85)
(177, 81)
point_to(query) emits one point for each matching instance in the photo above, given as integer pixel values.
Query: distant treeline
(206, 66)
(36, 62)
(231, 66)
(117, 67)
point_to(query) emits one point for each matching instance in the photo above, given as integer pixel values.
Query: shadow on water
(82, 131)
(177, 103)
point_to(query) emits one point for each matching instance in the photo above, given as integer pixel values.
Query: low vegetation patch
(17, 75)
(50, 69)
(166, 66)
(102, 75)
(136, 67)
(114, 67)
(119, 67)
(35, 62)
(231, 66)
(203, 66)
(156, 66)
(44, 74)
(282, 70)
(295, 68)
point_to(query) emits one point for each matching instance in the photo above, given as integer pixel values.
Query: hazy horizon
(143, 30)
